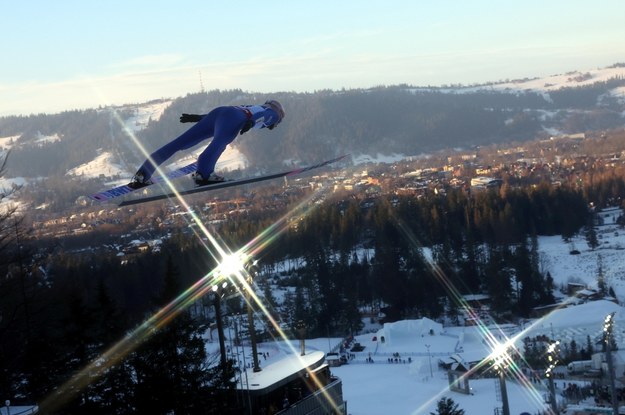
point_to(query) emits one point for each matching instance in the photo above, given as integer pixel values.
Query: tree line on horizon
(319, 125)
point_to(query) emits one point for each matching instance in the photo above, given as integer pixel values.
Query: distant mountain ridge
(106, 142)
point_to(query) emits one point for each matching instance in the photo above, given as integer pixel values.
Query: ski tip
(339, 158)
(98, 197)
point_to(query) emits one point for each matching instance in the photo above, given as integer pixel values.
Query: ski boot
(138, 181)
(203, 181)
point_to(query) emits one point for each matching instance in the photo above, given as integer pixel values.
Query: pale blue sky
(74, 54)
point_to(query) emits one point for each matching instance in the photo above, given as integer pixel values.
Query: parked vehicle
(579, 366)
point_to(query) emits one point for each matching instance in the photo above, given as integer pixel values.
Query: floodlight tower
(238, 271)
(217, 295)
(608, 327)
(251, 272)
(553, 353)
(500, 365)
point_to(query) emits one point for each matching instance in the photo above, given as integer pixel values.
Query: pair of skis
(123, 190)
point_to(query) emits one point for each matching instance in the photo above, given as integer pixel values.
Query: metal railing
(325, 401)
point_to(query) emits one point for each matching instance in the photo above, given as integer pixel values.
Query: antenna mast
(201, 82)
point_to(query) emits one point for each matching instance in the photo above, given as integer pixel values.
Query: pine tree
(589, 347)
(524, 276)
(28, 337)
(77, 344)
(601, 284)
(269, 299)
(498, 279)
(113, 390)
(454, 310)
(447, 406)
(170, 366)
(470, 264)
(591, 234)
(573, 353)
(548, 285)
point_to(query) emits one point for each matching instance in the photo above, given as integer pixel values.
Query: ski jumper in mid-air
(223, 124)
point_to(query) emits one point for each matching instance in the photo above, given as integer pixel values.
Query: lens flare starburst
(231, 270)
(493, 336)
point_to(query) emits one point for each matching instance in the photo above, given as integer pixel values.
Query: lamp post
(221, 292)
(251, 272)
(500, 365)
(301, 333)
(427, 346)
(608, 327)
(231, 270)
(244, 371)
(504, 392)
(553, 352)
(220, 326)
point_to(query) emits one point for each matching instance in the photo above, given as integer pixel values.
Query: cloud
(82, 93)
(301, 70)
(149, 61)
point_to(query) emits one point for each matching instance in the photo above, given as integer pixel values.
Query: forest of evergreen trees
(64, 309)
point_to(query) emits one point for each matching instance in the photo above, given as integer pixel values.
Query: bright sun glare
(233, 270)
(233, 264)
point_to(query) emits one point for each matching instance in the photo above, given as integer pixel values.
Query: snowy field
(564, 268)
(407, 387)
(415, 383)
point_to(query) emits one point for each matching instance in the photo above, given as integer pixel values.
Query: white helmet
(277, 107)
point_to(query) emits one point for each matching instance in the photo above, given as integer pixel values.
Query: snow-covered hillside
(106, 164)
(144, 113)
(556, 257)
(554, 82)
(567, 80)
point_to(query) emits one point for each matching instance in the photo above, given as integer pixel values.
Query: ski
(122, 190)
(230, 183)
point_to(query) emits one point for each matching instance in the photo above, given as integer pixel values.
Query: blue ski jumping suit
(223, 124)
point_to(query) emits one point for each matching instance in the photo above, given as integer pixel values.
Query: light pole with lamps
(427, 346)
(500, 364)
(553, 352)
(252, 271)
(238, 272)
(608, 327)
(220, 326)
